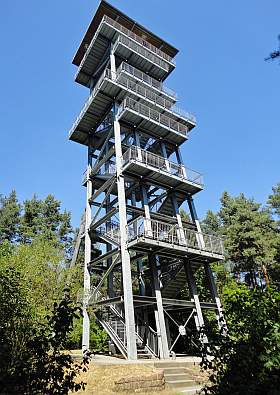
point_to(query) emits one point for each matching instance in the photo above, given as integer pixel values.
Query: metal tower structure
(139, 251)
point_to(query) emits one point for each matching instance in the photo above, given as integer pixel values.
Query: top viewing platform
(110, 26)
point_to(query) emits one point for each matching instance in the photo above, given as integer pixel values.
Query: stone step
(176, 376)
(174, 370)
(180, 383)
(174, 364)
(190, 390)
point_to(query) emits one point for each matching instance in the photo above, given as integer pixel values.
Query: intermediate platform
(159, 171)
(139, 106)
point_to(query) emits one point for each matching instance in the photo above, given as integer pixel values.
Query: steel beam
(199, 321)
(159, 313)
(126, 269)
(86, 323)
(215, 297)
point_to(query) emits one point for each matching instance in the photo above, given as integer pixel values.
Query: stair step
(175, 370)
(180, 383)
(190, 390)
(176, 376)
(175, 364)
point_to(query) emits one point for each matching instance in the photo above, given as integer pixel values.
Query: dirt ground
(100, 379)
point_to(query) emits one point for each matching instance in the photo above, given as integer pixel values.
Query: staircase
(173, 280)
(112, 320)
(110, 234)
(180, 376)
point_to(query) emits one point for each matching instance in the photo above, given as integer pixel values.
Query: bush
(31, 354)
(247, 361)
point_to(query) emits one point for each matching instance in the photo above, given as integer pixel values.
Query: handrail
(142, 51)
(128, 83)
(149, 158)
(93, 93)
(170, 233)
(140, 75)
(137, 38)
(138, 89)
(153, 115)
(149, 94)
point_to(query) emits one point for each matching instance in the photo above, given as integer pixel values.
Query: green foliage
(35, 219)
(41, 265)
(249, 231)
(211, 223)
(9, 217)
(31, 354)
(98, 337)
(274, 201)
(247, 361)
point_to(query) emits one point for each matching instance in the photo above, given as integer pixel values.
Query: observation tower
(139, 253)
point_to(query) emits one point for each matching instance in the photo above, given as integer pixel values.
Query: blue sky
(220, 76)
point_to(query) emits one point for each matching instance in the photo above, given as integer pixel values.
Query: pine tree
(10, 210)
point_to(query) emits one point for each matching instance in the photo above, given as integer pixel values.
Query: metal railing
(138, 39)
(113, 321)
(105, 73)
(149, 158)
(111, 230)
(148, 94)
(148, 336)
(129, 84)
(141, 46)
(171, 234)
(158, 162)
(141, 76)
(152, 115)
(142, 51)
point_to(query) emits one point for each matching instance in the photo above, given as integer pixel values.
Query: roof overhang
(106, 8)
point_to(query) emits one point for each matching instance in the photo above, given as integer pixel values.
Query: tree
(211, 223)
(274, 207)
(249, 234)
(43, 219)
(32, 357)
(274, 201)
(9, 217)
(247, 361)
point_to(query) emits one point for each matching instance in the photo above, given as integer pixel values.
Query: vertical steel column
(159, 313)
(138, 144)
(181, 232)
(142, 287)
(164, 154)
(180, 161)
(86, 323)
(215, 297)
(113, 63)
(110, 289)
(126, 269)
(196, 221)
(147, 220)
(199, 321)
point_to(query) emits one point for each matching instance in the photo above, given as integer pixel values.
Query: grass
(101, 379)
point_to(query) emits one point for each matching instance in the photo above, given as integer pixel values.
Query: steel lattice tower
(139, 251)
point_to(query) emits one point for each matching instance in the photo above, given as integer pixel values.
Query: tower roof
(106, 8)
